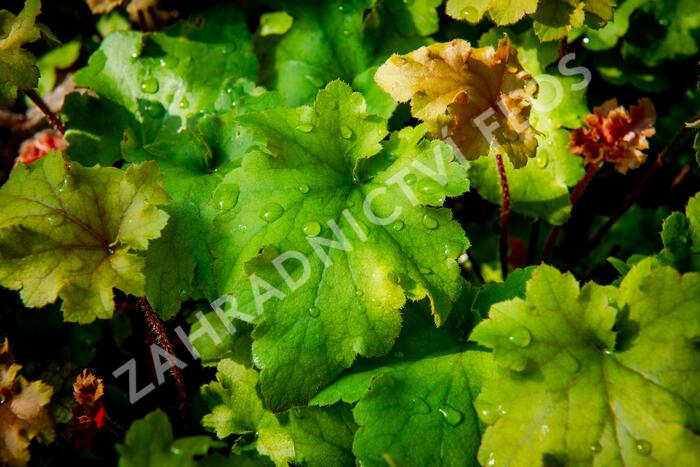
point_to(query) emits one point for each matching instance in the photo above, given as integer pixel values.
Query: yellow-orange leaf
(23, 416)
(478, 97)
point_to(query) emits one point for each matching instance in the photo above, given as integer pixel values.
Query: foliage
(250, 245)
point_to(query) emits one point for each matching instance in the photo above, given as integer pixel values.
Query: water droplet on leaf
(149, 85)
(271, 212)
(418, 405)
(542, 158)
(428, 186)
(429, 222)
(487, 411)
(227, 197)
(346, 132)
(184, 103)
(470, 14)
(411, 179)
(304, 188)
(314, 312)
(520, 337)
(643, 447)
(305, 128)
(596, 448)
(311, 229)
(451, 416)
(398, 225)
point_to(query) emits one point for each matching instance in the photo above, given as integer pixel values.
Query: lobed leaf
(72, 232)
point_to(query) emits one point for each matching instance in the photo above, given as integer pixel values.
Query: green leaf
(580, 382)
(681, 237)
(308, 184)
(72, 232)
(60, 58)
(19, 69)
(609, 35)
(150, 443)
(150, 85)
(342, 40)
(425, 387)
(673, 37)
(312, 436)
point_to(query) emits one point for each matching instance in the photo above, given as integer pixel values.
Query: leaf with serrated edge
(582, 383)
(71, 232)
(322, 161)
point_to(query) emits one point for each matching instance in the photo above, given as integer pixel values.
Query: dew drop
(184, 103)
(341, 8)
(314, 312)
(149, 85)
(586, 40)
(55, 220)
(227, 197)
(154, 109)
(643, 447)
(428, 186)
(542, 159)
(520, 337)
(411, 179)
(311, 229)
(487, 411)
(271, 212)
(596, 448)
(398, 225)
(305, 128)
(429, 222)
(346, 132)
(470, 14)
(451, 415)
(314, 80)
(176, 451)
(304, 188)
(67, 185)
(452, 249)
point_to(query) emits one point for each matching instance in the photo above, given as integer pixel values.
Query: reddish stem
(551, 242)
(634, 195)
(50, 116)
(505, 212)
(161, 337)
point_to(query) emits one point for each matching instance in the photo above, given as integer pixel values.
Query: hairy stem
(551, 242)
(503, 217)
(156, 328)
(641, 185)
(50, 116)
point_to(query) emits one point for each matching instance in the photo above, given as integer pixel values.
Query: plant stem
(50, 116)
(161, 337)
(505, 212)
(643, 182)
(551, 242)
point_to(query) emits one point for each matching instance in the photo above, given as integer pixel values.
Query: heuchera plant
(376, 232)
